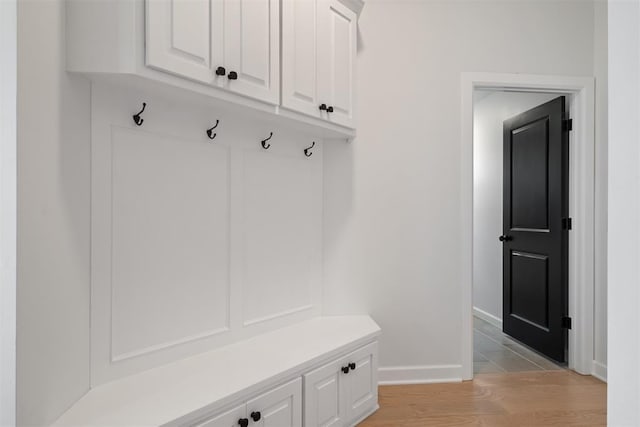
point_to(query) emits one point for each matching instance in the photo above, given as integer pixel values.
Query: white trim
(599, 370)
(366, 415)
(488, 317)
(581, 206)
(8, 206)
(429, 374)
(355, 5)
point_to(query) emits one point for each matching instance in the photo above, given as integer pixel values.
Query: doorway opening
(527, 91)
(519, 284)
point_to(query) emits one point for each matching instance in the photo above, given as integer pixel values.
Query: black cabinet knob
(345, 369)
(352, 366)
(233, 75)
(243, 422)
(505, 238)
(220, 71)
(323, 107)
(255, 416)
(330, 109)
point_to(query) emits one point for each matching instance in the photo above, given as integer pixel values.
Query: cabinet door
(248, 44)
(300, 57)
(229, 418)
(362, 395)
(178, 37)
(279, 407)
(325, 392)
(337, 59)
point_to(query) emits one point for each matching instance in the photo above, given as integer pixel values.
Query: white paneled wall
(196, 243)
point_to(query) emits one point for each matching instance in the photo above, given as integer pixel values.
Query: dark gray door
(535, 235)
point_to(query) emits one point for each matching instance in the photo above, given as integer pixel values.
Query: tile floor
(494, 352)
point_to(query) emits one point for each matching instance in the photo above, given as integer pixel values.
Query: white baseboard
(487, 317)
(599, 370)
(365, 416)
(419, 374)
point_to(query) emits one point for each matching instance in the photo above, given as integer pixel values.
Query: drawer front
(228, 418)
(279, 407)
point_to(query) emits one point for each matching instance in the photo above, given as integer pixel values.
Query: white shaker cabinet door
(325, 399)
(178, 37)
(363, 382)
(279, 407)
(337, 35)
(228, 418)
(247, 45)
(300, 57)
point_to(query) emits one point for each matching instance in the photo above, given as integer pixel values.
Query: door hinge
(566, 223)
(567, 124)
(566, 322)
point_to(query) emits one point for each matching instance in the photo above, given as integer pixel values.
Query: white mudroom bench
(322, 371)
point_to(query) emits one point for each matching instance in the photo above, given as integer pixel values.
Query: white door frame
(581, 205)
(8, 180)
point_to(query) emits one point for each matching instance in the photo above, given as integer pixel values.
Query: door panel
(535, 245)
(529, 186)
(226, 419)
(529, 288)
(299, 57)
(280, 407)
(337, 50)
(178, 37)
(363, 381)
(325, 391)
(251, 47)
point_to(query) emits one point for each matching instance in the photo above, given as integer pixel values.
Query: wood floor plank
(527, 399)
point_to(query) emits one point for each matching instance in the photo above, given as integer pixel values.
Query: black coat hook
(210, 132)
(264, 141)
(136, 117)
(307, 151)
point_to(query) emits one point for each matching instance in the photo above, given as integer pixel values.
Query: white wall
(489, 113)
(53, 219)
(392, 197)
(8, 93)
(624, 214)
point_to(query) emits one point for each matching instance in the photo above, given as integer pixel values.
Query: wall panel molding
(173, 215)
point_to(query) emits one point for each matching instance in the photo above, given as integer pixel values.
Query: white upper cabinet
(337, 36)
(318, 58)
(300, 57)
(179, 37)
(232, 44)
(246, 43)
(294, 59)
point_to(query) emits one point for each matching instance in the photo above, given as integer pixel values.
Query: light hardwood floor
(532, 399)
